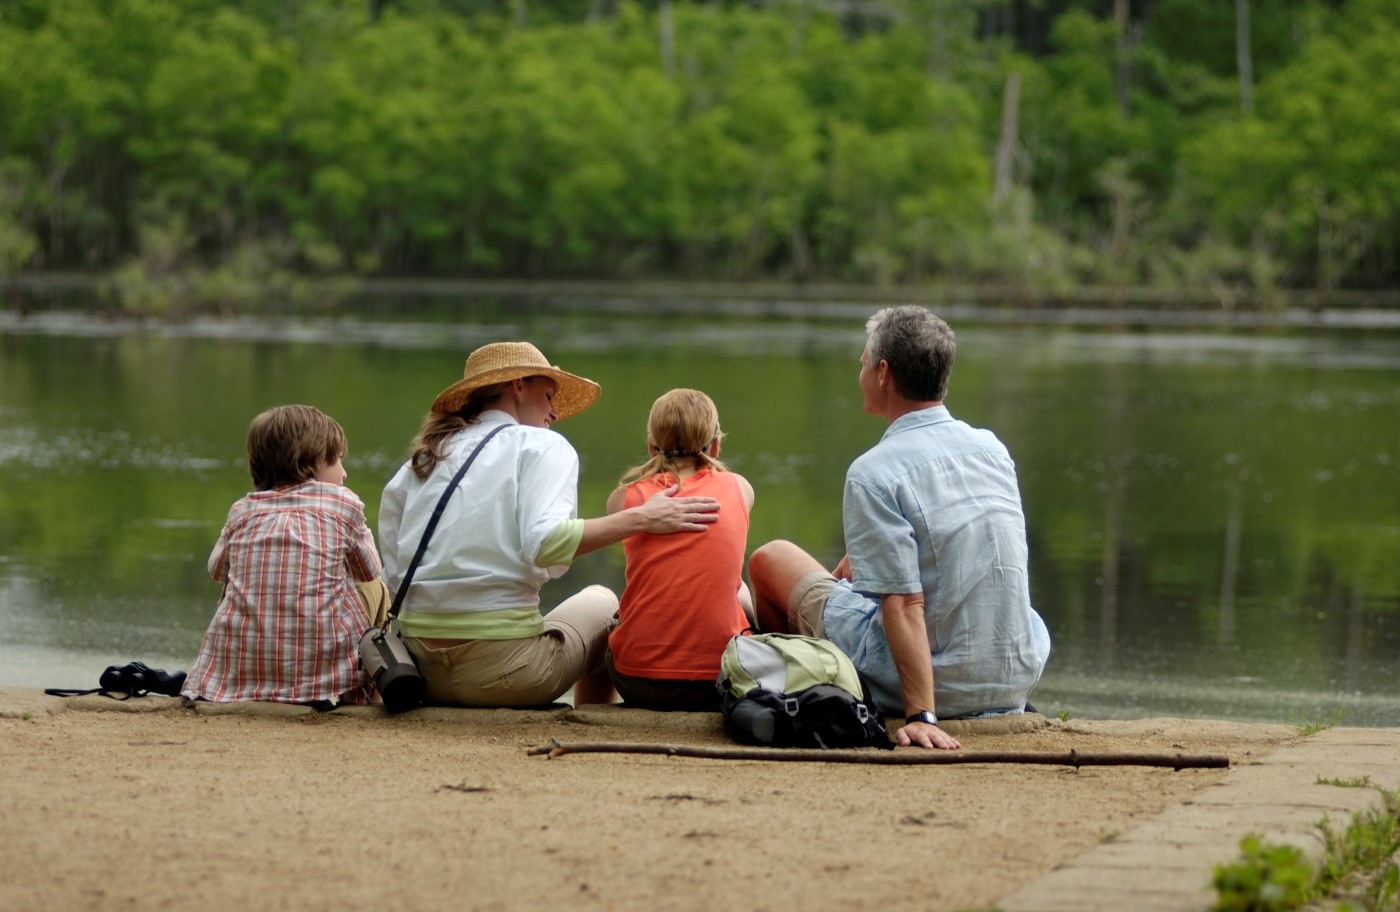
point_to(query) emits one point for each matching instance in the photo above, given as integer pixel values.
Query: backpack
(785, 690)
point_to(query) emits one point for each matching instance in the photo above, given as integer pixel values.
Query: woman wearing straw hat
(471, 616)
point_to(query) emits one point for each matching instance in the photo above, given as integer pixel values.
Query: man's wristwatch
(922, 716)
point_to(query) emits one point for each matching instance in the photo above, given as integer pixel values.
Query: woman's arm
(661, 514)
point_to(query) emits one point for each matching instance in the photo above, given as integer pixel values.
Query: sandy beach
(151, 804)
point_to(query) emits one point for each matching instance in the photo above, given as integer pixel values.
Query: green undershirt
(558, 547)
(501, 624)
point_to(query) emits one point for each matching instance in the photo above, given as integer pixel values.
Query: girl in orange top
(685, 594)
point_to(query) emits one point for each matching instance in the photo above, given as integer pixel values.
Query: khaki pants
(376, 600)
(532, 671)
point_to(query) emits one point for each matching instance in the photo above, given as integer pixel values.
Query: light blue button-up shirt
(934, 507)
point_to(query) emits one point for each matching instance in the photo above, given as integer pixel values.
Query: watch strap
(921, 716)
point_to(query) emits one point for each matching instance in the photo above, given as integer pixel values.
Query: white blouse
(482, 555)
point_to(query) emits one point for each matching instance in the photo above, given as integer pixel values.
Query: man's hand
(843, 569)
(922, 734)
(664, 512)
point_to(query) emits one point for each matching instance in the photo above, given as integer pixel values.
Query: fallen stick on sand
(1074, 758)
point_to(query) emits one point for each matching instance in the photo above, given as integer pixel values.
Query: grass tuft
(1360, 868)
(1320, 723)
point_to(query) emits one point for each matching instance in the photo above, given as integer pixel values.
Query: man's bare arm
(906, 630)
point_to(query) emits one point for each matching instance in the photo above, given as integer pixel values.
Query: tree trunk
(1324, 257)
(1006, 143)
(601, 8)
(1120, 19)
(1243, 58)
(937, 41)
(668, 38)
(799, 28)
(801, 255)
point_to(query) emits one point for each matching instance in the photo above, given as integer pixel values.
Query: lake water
(1214, 514)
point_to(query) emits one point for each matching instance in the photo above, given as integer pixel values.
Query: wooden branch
(1074, 758)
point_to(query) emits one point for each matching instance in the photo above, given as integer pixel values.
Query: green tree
(215, 107)
(1313, 176)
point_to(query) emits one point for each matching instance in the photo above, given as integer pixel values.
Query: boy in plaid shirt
(300, 570)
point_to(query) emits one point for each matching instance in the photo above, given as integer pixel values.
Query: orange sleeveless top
(681, 604)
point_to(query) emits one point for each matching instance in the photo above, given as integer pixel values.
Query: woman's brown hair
(427, 451)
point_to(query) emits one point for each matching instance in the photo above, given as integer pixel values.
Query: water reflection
(1214, 516)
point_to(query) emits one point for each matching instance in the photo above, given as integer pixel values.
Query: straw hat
(503, 361)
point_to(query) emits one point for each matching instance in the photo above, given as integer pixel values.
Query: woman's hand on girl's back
(665, 512)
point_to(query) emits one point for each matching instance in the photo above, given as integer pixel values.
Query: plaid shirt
(288, 625)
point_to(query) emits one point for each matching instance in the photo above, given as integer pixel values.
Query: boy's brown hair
(288, 443)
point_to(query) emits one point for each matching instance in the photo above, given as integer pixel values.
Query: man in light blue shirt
(932, 600)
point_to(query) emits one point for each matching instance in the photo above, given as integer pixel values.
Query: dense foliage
(206, 150)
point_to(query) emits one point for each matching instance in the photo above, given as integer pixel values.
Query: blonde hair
(288, 443)
(682, 425)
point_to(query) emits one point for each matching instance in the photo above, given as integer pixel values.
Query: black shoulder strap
(433, 522)
(78, 692)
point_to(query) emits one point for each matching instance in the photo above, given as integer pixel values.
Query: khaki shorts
(530, 671)
(376, 600)
(807, 603)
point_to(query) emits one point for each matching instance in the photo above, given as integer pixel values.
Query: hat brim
(572, 393)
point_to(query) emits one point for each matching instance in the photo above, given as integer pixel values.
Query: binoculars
(136, 679)
(390, 666)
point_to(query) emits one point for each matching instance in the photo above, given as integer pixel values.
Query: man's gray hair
(919, 348)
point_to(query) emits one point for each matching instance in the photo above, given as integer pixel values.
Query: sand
(149, 804)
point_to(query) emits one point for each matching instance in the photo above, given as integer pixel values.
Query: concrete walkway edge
(1166, 864)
